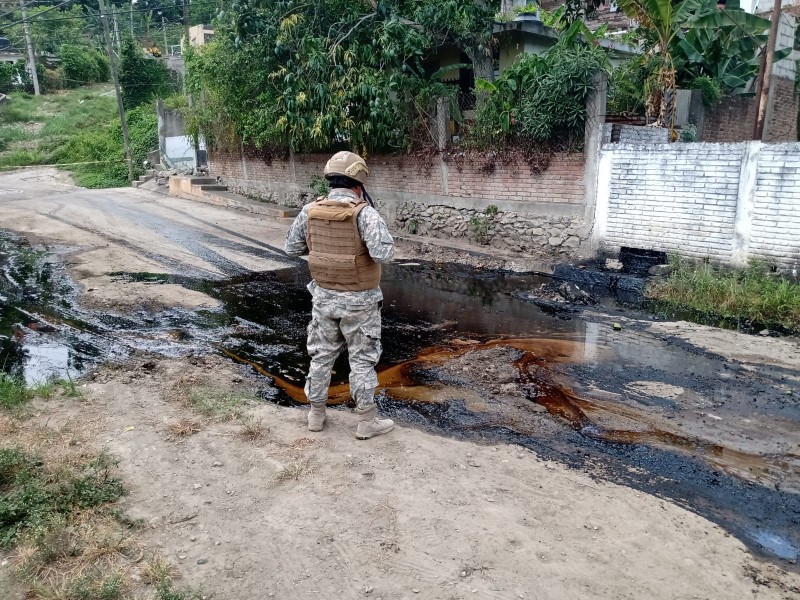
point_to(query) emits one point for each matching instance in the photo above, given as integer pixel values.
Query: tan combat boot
(316, 417)
(369, 425)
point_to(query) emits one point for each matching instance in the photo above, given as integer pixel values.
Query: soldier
(346, 240)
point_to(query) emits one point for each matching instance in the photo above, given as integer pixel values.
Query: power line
(138, 10)
(24, 6)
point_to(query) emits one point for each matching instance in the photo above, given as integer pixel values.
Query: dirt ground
(407, 515)
(294, 514)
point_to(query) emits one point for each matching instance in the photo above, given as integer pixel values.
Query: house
(200, 35)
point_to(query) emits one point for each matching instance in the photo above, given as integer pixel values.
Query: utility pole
(112, 60)
(183, 54)
(116, 28)
(164, 30)
(29, 44)
(766, 76)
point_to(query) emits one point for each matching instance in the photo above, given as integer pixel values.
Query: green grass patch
(13, 391)
(33, 496)
(78, 126)
(220, 404)
(753, 295)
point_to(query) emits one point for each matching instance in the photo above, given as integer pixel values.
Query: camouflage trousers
(332, 326)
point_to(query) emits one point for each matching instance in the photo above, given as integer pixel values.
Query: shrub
(53, 80)
(7, 77)
(710, 88)
(83, 65)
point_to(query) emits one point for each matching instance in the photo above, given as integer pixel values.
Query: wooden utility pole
(116, 29)
(112, 60)
(29, 44)
(766, 76)
(164, 31)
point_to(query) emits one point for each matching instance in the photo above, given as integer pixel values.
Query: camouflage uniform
(340, 318)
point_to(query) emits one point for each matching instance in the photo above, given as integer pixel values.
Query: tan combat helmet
(348, 164)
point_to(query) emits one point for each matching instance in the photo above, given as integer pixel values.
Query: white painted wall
(726, 202)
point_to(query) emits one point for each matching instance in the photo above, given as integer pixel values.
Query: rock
(217, 464)
(573, 242)
(202, 561)
(415, 590)
(154, 522)
(764, 332)
(197, 486)
(193, 539)
(182, 556)
(657, 270)
(555, 241)
(617, 327)
(612, 264)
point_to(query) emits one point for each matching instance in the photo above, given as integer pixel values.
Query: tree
(663, 19)
(314, 76)
(141, 78)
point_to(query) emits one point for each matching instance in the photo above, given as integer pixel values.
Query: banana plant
(724, 44)
(665, 19)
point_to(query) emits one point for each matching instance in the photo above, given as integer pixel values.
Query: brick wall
(727, 202)
(733, 119)
(441, 197)
(776, 204)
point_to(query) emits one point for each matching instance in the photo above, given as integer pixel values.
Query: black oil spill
(428, 309)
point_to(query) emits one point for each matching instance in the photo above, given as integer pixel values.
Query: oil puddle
(463, 356)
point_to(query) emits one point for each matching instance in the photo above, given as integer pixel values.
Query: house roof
(536, 28)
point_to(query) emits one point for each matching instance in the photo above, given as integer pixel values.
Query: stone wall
(726, 202)
(492, 202)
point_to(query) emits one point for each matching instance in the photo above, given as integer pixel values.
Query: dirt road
(493, 486)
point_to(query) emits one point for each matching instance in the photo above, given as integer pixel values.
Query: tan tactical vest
(338, 257)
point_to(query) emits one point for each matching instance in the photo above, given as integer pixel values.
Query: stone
(657, 270)
(617, 327)
(572, 242)
(764, 332)
(202, 561)
(555, 241)
(612, 264)
(537, 231)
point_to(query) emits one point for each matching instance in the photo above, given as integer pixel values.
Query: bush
(8, 75)
(83, 65)
(141, 78)
(53, 80)
(539, 98)
(710, 88)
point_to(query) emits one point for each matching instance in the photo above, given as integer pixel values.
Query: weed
(294, 471)
(183, 428)
(13, 391)
(491, 210)
(158, 571)
(70, 388)
(252, 429)
(166, 591)
(32, 495)
(43, 389)
(220, 404)
(753, 294)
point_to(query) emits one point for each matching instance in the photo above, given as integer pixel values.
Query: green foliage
(319, 185)
(13, 393)
(335, 73)
(52, 80)
(7, 77)
(689, 133)
(221, 404)
(142, 78)
(83, 65)
(540, 98)
(710, 88)
(53, 30)
(31, 495)
(724, 45)
(752, 294)
(630, 84)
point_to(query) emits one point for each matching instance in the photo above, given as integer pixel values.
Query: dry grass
(252, 429)
(158, 571)
(299, 446)
(183, 428)
(294, 472)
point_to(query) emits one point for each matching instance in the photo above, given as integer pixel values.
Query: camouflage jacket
(375, 234)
